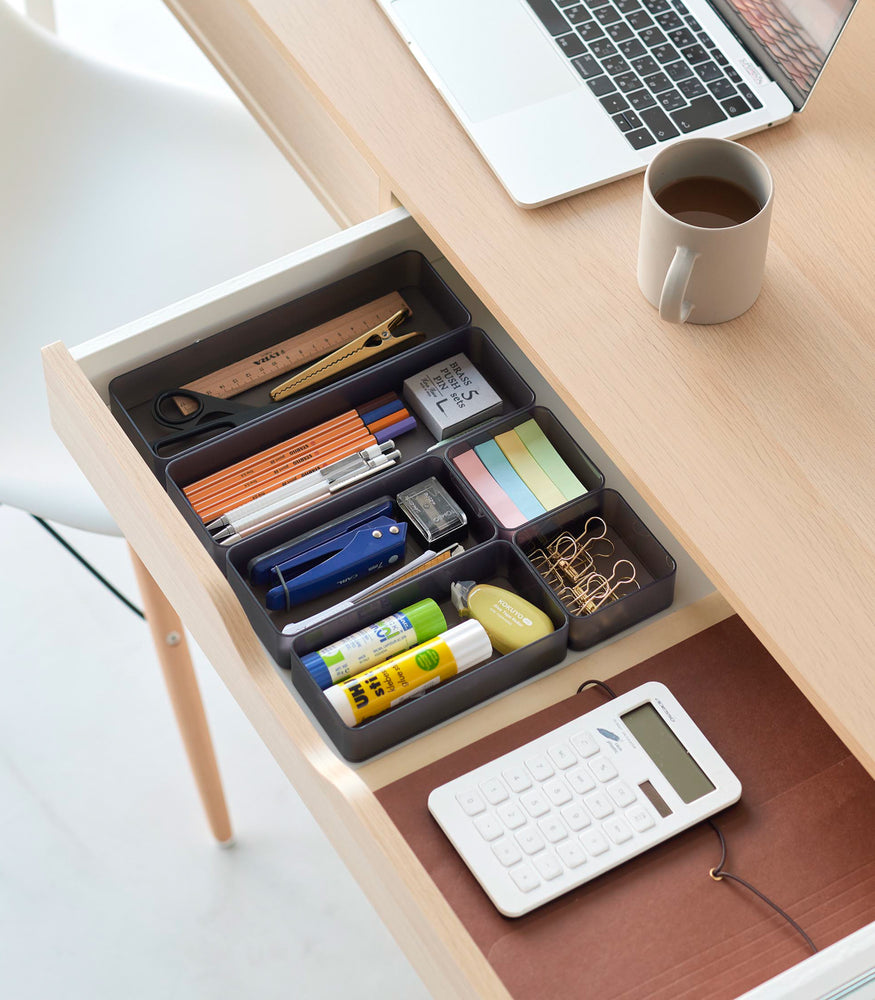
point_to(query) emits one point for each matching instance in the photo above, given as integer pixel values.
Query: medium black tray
(496, 562)
(299, 416)
(269, 624)
(436, 311)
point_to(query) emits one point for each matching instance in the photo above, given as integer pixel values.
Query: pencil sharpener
(431, 510)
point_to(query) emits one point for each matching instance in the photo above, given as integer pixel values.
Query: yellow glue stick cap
(511, 621)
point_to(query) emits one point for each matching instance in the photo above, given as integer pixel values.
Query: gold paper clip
(369, 345)
(569, 565)
(596, 589)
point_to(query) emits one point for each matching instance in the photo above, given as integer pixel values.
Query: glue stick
(370, 646)
(410, 674)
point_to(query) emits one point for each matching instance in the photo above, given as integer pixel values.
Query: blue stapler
(315, 570)
(261, 568)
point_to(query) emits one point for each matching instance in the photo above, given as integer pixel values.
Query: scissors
(211, 415)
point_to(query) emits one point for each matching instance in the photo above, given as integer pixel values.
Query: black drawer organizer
(494, 553)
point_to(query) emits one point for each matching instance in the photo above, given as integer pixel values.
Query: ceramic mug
(704, 275)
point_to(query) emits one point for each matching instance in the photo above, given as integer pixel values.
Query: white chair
(119, 194)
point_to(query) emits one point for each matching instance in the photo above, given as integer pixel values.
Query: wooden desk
(754, 441)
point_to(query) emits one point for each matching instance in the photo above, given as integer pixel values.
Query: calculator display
(658, 741)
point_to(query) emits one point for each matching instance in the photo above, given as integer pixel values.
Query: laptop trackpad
(491, 54)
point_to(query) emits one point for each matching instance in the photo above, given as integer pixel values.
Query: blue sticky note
(503, 473)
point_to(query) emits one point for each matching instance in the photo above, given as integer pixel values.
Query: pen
(214, 506)
(319, 492)
(335, 475)
(335, 470)
(389, 459)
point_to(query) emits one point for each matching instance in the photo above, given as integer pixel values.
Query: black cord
(601, 684)
(88, 566)
(719, 872)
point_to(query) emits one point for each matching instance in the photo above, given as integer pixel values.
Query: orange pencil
(217, 507)
(277, 464)
(315, 459)
(393, 418)
(349, 417)
(278, 451)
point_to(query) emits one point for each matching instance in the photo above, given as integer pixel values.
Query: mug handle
(672, 306)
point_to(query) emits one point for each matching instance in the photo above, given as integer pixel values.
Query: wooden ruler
(293, 353)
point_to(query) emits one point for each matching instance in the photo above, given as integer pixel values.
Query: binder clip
(579, 571)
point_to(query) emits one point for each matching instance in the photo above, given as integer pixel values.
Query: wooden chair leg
(179, 676)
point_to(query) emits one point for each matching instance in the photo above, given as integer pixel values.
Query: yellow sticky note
(548, 494)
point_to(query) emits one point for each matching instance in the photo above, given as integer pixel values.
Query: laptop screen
(792, 38)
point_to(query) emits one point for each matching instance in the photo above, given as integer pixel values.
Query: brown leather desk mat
(658, 927)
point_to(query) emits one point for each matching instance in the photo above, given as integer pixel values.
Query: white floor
(110, 885)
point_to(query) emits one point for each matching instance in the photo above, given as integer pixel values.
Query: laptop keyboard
(654, 69)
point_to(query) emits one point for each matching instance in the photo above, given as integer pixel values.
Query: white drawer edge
(841, 970)
(253, 292)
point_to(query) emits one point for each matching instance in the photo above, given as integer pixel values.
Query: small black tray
(436, 311)
(569, 451)
(351, 392)
(496, 562)
(655, 568)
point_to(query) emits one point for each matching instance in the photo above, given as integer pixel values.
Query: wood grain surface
(429, 932)
(753, 440)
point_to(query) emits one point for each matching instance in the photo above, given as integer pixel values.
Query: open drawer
(340, 796)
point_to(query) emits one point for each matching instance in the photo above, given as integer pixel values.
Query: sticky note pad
(519, 456)
(488, 489)
(550, 460)
(502, 472)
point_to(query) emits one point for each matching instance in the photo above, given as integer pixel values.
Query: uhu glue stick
(376, 643)
(410, 674)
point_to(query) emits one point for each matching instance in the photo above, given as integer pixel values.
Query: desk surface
(755, 441)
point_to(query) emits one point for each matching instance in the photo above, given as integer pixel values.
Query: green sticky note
(550, 460)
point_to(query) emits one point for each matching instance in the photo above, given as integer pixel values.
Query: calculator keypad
(556, 812)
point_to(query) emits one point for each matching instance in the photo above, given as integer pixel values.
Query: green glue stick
(410, 674)
(372, 645)
(511, 622)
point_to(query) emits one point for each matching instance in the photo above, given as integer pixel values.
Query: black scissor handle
(201, 430)
(179, 417)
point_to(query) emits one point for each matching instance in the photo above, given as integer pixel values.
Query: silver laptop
(564, 95)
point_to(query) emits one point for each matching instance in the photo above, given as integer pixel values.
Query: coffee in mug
(704, 230)
(709, 202)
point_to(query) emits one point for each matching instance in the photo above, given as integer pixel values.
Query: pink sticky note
(491, 493)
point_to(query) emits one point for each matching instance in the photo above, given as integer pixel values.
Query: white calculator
(569, 806)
